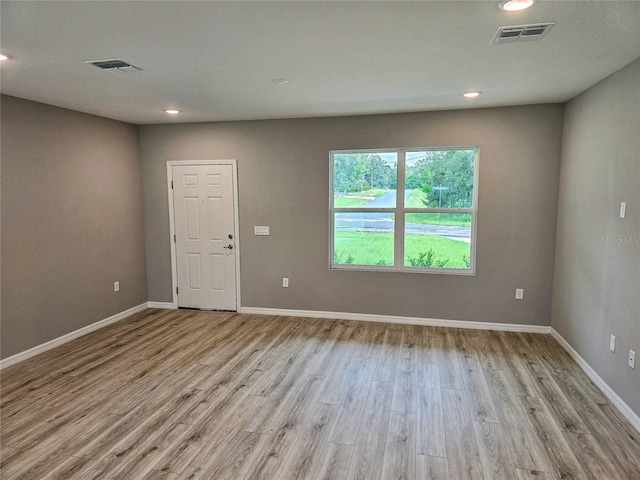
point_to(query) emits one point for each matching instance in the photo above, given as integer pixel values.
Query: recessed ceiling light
(471, 94)
(280, 81)
(4, 57)
(515, 5)
(172, 111)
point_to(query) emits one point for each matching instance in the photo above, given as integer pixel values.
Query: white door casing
(204, 224)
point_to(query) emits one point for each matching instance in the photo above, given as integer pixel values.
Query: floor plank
(333, 462)
(353, 408)
(368, 455)
(526, 448)
(451, 375)
(433, 468)
(495, 457)
(563, 459)
(431, 438)
(400, 449)
(306, 453)
(461, 448)
(272, 457)
(405, 392)
(534, 475)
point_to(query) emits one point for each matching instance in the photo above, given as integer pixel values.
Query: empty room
(320, 240)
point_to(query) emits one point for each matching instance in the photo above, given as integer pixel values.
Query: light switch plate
(623, 209)
(261, 230)
(612, 343)
(519, 293)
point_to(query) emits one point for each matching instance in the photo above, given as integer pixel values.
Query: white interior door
(203, 200)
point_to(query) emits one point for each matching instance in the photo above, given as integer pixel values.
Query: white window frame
(399, 210)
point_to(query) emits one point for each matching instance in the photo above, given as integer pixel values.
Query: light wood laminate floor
(176, 395)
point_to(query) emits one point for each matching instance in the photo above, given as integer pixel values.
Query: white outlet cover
(623, 209)
(632, 359)
(612, 343)
(116, 286)
(519, 293)
(285, 282)
(261, 230)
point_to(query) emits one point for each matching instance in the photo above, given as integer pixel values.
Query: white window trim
(400, 212)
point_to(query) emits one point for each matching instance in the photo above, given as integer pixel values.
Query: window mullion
(398, 258)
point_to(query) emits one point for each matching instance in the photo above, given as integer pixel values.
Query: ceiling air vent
(521, 33)
(115, 65)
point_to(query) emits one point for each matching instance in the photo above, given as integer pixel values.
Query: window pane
(365, 180)
(439, 179)
(437, 240)
(363, 239)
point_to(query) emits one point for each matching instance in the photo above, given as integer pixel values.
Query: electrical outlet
(116, 286)
(632, 359)
(623, 209)
(612, 343)
(285, 282)
(261, 230)
(519, 293)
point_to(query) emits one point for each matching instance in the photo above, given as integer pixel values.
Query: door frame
(172, 222)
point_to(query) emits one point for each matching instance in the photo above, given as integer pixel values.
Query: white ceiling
(215, 60)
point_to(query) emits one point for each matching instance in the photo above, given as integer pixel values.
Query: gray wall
(597, 277)
(71, 222)
(284, 183)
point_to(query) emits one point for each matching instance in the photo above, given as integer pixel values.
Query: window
(404, 210)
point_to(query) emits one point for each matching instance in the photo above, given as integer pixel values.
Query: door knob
(230, 247)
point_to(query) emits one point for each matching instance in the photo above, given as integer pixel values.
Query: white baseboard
(597, 379)
(164, 305)
(366, 317)
(32, 352)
